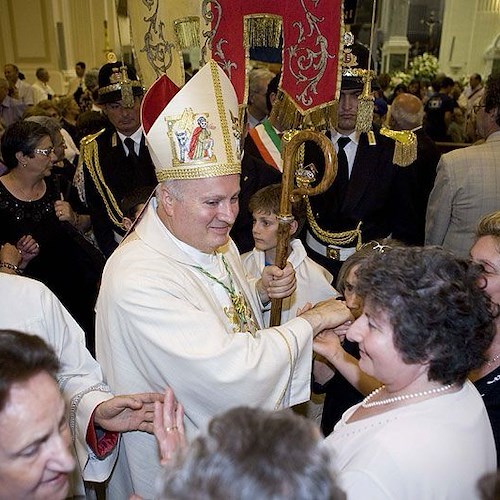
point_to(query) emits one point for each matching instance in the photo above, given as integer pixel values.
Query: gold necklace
(239, 314)
(26, 196)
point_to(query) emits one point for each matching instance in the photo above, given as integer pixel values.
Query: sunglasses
(44, 152)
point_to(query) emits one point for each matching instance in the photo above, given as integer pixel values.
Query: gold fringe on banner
(286, 113)
(364, 118)
(262, 30)
(323, 117)
(187, 32)
(405, 151)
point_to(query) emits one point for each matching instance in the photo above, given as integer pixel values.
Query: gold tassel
(405, 155)
(262, 30)
(187, 32)
(364, 118)
(126, 89)
(405, 151)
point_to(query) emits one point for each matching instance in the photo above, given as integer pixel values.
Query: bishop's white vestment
(164, 316)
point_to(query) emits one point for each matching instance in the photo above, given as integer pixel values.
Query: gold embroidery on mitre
(200, 141)
(229, 141)
(189, 172)
(236, 127)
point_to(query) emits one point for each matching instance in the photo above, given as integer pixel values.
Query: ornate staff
(289, 193)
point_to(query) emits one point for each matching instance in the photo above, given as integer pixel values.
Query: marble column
(394, 23)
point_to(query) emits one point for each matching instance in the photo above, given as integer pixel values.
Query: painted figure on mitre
(193, 137)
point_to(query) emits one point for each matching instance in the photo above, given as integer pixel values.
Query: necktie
(342, 179)
(132, 155)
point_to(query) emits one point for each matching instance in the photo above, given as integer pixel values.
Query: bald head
(407, 112)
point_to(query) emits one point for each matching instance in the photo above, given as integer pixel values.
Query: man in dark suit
(116, 159)
(364, 202)
(417, 179)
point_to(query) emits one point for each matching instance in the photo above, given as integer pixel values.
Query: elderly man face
(125, 120)
(201, 212)
(35, 459)
(474, 81)
(11, 73)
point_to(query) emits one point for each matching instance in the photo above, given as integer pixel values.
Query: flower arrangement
(400, 77)
(424, 66)
(421, 67)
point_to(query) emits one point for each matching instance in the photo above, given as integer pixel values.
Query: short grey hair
(51, 124)
(249, 453)
(405, 119)
(176, 187)
(256, 76)
(91, 78)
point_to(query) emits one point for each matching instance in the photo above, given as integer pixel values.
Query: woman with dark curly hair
(339, 376)
(426, 323)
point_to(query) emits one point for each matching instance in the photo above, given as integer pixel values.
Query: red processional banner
(312, 45)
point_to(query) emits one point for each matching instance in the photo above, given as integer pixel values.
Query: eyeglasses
(44, 152)
(477, 107)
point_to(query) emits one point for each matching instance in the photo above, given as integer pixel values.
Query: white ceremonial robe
(161, 321)
(313, 280)
(30, 307)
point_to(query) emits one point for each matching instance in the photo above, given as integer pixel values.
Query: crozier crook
(289, 192)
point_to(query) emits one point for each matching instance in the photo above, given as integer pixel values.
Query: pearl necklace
(366, 404)
(493, 359)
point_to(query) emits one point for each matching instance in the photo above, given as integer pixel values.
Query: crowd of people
(449, 105)
(147, 289)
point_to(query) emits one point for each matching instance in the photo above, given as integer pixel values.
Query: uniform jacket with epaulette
(109, 174)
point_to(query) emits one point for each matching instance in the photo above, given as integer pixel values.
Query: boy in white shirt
(313, 281)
